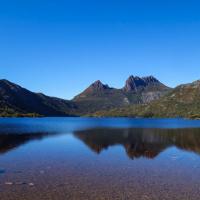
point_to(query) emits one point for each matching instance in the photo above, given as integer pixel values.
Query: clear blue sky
(59, 47)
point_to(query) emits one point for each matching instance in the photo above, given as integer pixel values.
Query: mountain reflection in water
(140, 142)
(12, 141)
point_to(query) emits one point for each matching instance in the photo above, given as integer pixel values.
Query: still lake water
(103, 159)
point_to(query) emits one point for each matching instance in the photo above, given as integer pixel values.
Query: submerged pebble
(8, 183)
(19, 183)
(31, 184)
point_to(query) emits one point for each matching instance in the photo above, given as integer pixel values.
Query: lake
(99, 159)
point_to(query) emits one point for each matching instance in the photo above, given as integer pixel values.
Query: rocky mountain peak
(133, 83)
(95, 88)
(150, 79)
(98, 86)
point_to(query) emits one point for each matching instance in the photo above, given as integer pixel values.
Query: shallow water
(83, 158)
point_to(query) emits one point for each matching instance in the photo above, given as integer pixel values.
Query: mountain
(140, 97)
(144, 90)
(182, 101)
(97, 87)
(99, 96)
(15, 100)
(149, 83)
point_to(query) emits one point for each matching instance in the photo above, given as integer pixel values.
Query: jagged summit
(150, 79)
(135, 83)
(132, 83)
(98, 85)
(94, 89)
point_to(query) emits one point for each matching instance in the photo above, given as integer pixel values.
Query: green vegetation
(8, 112)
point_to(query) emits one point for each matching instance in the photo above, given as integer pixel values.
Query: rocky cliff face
(137, 84)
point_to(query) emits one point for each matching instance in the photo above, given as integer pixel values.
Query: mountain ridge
(140, 97)
(15, 99)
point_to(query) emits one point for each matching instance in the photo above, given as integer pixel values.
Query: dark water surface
(89, 159)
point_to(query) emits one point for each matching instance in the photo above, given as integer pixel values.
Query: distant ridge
(15, 100)
(18, 101)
